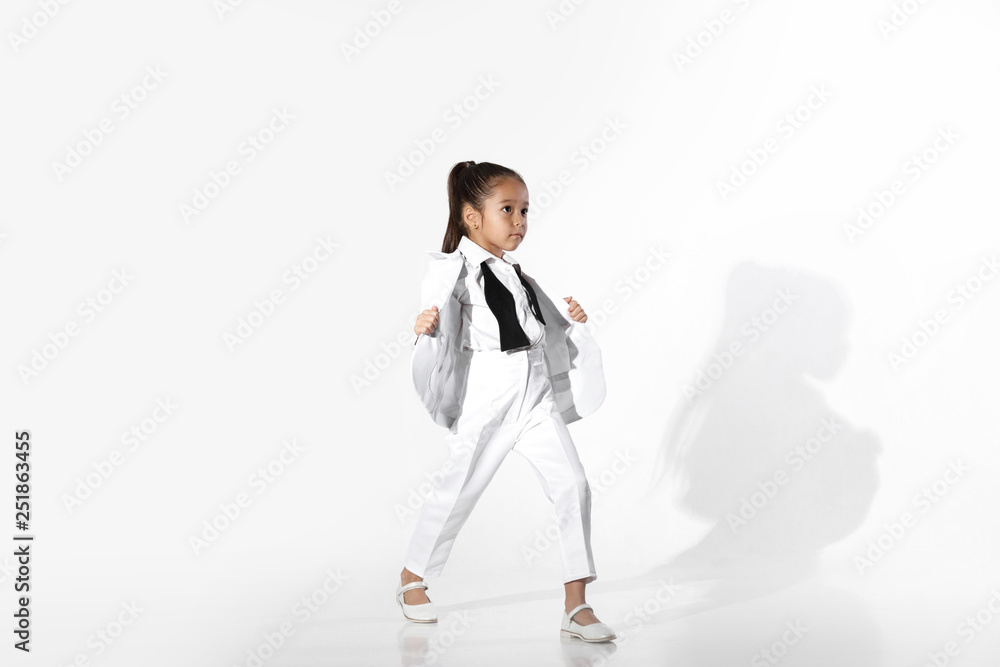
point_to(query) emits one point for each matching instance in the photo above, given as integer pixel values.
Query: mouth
(520, 236)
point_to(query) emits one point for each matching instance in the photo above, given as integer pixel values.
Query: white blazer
(439, 366)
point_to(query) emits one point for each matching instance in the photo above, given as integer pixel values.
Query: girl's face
(504, 220)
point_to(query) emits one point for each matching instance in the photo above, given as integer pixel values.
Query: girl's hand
(575, 310)
(427, 321)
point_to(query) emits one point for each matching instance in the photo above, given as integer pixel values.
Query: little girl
(502, 367)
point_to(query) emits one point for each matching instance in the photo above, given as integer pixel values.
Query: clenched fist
(427, 321)
(575, 309)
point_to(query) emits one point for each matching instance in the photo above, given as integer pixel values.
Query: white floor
(672, 617)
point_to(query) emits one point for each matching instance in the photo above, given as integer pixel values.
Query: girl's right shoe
(595, 632)
(418, 613)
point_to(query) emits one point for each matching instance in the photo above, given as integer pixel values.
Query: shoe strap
(572, 612)
(412, 585)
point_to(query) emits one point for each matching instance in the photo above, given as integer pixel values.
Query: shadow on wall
(754, 448)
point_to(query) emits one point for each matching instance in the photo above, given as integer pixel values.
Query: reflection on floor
(682, 617)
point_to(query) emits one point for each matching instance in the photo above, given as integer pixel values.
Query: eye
(505, 208)
(524, 212)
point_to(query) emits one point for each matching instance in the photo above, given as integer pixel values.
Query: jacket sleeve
(586, 372)
(574, 361)
(436, 363)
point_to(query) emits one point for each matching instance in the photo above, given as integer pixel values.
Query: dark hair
(470, 183)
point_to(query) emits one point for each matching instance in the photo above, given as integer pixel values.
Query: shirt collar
(476, 254)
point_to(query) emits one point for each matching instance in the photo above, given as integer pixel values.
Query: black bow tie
(501, 302)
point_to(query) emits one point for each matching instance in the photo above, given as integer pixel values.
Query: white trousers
(508, 405)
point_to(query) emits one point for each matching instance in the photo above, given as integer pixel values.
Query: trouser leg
(450, 502)
(478, 446)
(545, 442)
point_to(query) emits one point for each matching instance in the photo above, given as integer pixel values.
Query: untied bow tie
(501, 302)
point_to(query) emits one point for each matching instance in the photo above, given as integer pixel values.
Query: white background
(366, 442)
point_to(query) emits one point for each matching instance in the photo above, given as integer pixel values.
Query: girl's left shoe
(595, 632)
(418, 613)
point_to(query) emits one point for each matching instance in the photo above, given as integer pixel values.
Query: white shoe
(595, 632)
(418, 613)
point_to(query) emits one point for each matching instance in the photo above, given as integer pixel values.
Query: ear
(471, 215)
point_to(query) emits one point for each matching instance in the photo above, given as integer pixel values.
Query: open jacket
(439, 366)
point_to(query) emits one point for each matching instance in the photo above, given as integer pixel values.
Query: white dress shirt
(480, 329)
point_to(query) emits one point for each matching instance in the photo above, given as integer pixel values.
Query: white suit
(439, 365)
(493, 402)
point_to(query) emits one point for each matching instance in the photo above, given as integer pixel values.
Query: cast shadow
(755, 449)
